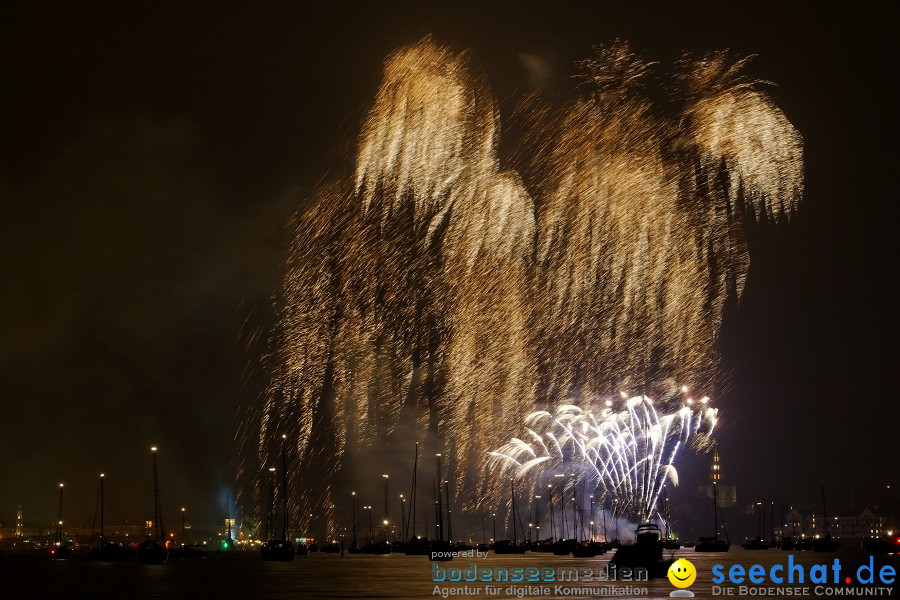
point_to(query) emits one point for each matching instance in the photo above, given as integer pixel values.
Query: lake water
(244, 575)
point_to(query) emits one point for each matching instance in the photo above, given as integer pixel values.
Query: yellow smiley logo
(682, 573)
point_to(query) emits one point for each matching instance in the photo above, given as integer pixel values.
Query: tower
(715, 470)
(727, 494)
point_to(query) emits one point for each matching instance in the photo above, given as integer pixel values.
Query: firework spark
(433, 287)
(627, 454)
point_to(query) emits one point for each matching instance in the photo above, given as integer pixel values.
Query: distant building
(862, 526)
(849, 528)
(20, 521)
(794, 524)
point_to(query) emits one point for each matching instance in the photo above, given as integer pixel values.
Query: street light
(59, 525)
(284, 491)
(592, 517)
(102, 508)
(403, 532)
(562, 504)
(449, 521)
(368, 512)
(439, 522)
(270, 514)
(494, 539)
(353, 500)
(182, 525)
(385, 503)
(550, 510)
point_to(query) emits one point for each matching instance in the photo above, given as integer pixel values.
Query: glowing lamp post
(385, 476)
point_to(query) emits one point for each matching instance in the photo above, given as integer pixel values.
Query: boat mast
(157, 508)
(425, 521)
(449, 522)
(59, 519)
(575, 511)
(666, 511)
(270, 514)
(512, 493)
(603, 512)
(762, 511)
(440, 506)
(781, 523)
(412, 514)
(772, 521)
(284, 511)
(552, 516)
(618, 514)
(724, 524)
(437, 511)
(581, 512)
(353, 500)
(101, 510)
(715, 508)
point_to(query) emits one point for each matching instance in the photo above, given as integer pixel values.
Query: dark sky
(152, 153)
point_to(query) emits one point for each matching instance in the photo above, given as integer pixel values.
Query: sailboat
(714, 544)
(153, 550)
(354, 545)
(415, 546)
(668, 543)
(440, 549)
(786, 542)
(282, 549)
(510, 546)
(108, 551)
(645, 553)
(564, 546)
(760, 542)
(826, 544)
(586, 548)
(60, 550)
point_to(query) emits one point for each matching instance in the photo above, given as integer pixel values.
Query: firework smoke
(432, 290)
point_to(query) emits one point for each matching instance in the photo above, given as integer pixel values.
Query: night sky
(152, 154)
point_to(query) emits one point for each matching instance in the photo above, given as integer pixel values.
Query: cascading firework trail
(433, 291)
(627, 455)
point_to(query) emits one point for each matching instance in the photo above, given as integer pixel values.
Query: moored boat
(153, 550)
(714, 544)
(645, 553)
(280, 549)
